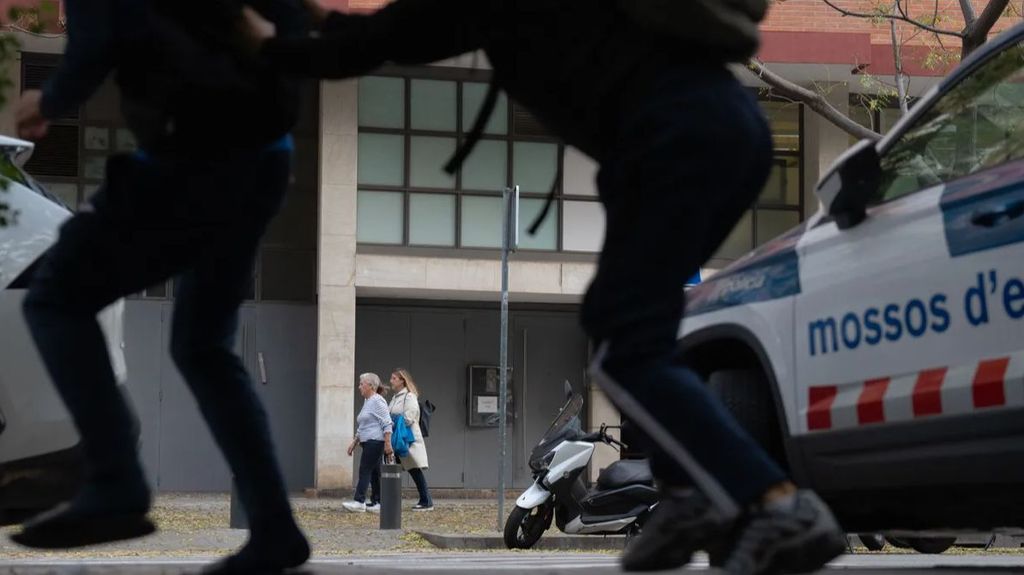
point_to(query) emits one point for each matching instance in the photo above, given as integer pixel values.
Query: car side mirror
(850, 184)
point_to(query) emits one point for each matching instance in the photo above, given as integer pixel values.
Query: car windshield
(11, 172)
(566, 426)
(974, 126)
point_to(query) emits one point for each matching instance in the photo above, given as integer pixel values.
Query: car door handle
(991, 218)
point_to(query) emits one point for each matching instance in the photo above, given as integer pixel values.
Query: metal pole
(503, 386)
(390, 496)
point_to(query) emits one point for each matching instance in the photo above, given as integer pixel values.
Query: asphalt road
(534, 563)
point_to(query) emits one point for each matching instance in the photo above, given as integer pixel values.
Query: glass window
(433, 105)
(535, 167)
(740, 241)
(773, 223)
(784, 119)
(487, 167)
(976, 125)
(381, 159)
(428, 156)
(382, 102)
(583, 226)
(547, 234)
(380, 217)
(481, 222)
(432, 219)
(783, 186)
(473, 98)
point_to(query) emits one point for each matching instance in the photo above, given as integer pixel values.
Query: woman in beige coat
(406, 401)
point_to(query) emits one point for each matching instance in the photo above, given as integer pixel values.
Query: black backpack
(727, 27)
(186, 76)
(426, 410)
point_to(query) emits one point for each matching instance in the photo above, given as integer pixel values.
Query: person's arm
(88, 57)
(404, 32)
(412, 409)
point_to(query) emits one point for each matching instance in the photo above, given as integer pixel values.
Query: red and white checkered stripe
(992, 383)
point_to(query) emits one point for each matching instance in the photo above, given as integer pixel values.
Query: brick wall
(816, 16)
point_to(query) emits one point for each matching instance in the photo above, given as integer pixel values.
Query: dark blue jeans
(369, 470)
(689, 158)
(199, 219)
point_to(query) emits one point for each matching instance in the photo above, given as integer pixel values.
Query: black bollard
(238, 519)
(390, 496)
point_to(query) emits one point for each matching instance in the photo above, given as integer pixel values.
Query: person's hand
(254, 30)
(388, 450)
(30, 121)
(317, 13)
(351, 449)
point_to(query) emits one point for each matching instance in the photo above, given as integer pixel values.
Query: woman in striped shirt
(373, 434)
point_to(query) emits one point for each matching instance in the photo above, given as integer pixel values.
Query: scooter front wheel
(524, 527)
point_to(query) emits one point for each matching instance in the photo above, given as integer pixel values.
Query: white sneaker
(354, 506)
(373, 508)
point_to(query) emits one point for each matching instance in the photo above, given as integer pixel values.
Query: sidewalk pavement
(196, 526)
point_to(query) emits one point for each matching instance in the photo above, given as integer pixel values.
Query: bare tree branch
(812, 99)
(922, 25)
(969, 16)
(976, 33)
(897, 53)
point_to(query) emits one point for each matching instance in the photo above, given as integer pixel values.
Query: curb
(546, 543)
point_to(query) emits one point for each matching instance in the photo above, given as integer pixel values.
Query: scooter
(619, 503)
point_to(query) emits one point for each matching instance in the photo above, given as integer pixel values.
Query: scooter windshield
(565, 427)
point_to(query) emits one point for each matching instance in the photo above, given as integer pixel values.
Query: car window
(974, 126)
(10, 171)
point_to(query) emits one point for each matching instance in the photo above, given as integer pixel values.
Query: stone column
(336, 284)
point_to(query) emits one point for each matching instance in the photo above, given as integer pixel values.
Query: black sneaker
(423, 507)
(682, 523)
(795, 535)
(99, 513)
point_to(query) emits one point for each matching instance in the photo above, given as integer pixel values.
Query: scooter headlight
(541, 464)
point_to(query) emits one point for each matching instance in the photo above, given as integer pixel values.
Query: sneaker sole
(86, 533)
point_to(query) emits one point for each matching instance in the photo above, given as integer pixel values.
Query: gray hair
(372, 379)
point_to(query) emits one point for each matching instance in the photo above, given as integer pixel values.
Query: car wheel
(926, 545)
(748, 396)
(872, 541)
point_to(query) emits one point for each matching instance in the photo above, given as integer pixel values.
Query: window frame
(509, 138)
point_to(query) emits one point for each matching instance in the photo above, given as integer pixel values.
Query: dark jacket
(116, 36)
(572, 63)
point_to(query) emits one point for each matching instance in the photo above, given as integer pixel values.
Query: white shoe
(373, 508)
(354, 506)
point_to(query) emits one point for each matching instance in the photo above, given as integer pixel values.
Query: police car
(878, 349)
(40, 463)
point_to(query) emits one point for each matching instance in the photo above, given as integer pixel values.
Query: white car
(40, 463)
(877, 350)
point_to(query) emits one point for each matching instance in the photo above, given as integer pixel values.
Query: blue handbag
(401, 435)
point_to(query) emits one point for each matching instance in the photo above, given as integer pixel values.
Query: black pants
(688, 160)
(199, 219)
(369, 470)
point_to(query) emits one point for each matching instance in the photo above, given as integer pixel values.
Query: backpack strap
(537, 221)
(473, 136)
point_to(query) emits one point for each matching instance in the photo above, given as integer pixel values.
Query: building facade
(381, 260)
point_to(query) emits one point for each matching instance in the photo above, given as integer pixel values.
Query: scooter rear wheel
(524, 527)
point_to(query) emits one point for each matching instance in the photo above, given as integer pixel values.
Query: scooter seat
(626, 472)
